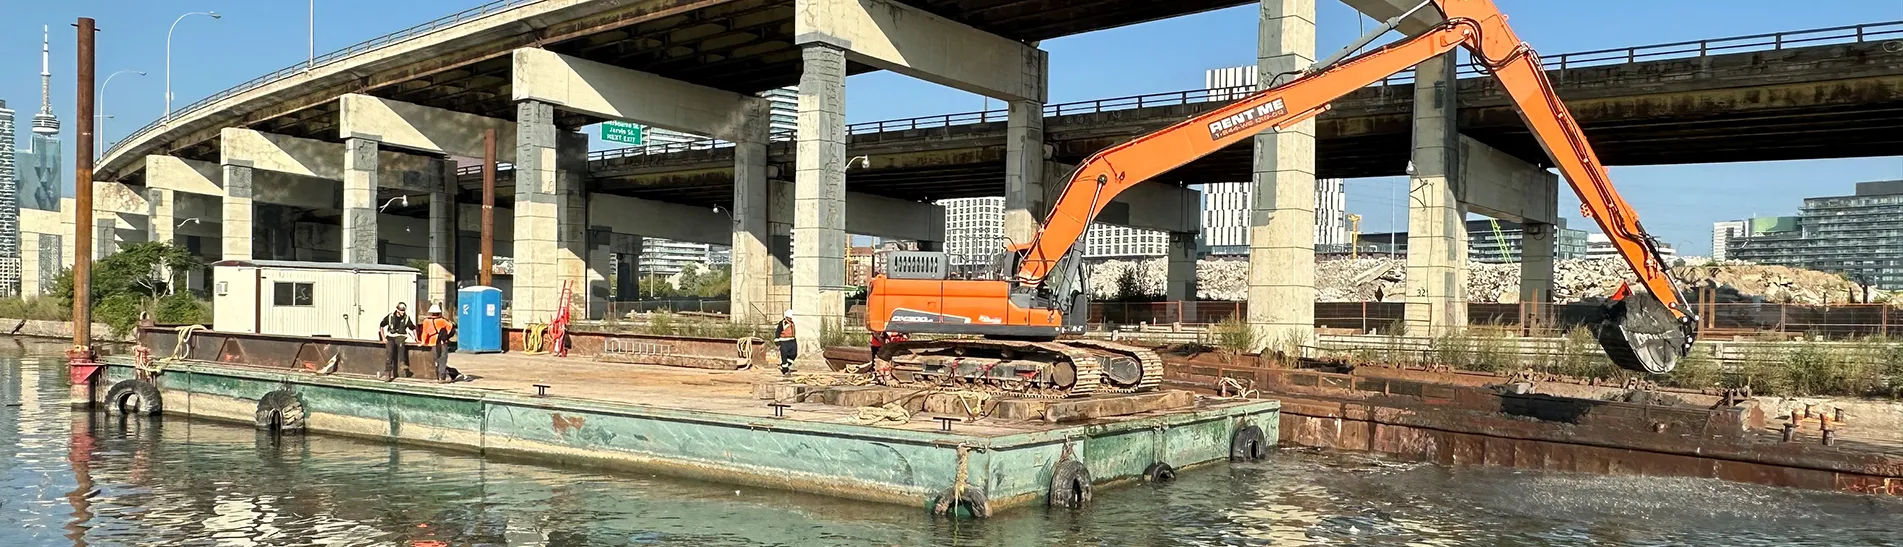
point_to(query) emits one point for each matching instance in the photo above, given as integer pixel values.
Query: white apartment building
(974, 229)
(1721, 232)
(1600, 246)
(1226, 215)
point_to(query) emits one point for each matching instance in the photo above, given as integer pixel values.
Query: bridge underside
(745, 46)
(1362, 138)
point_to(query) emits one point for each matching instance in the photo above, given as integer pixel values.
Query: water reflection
(77, 479)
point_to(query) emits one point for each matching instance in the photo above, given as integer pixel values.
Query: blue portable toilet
(479, 317)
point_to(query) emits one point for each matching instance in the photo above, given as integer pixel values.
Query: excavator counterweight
(1035, 292)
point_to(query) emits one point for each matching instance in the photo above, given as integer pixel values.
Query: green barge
(702, 424)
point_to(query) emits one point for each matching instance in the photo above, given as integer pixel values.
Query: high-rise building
(974, 229)
(1600, 246)
(665, 257)
(39, 169)
(1484, 244)
(1226, 204)
(1722, 232)
(1860, 235)
(9, 209)
(1108, 241)
(1226, 215)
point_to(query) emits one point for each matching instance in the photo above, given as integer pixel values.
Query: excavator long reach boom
(1646, 331)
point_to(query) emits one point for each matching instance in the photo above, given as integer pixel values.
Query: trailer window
(287, 293)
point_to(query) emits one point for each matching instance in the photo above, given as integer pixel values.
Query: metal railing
(1887, 32)
(1890, 33)
(352, 50)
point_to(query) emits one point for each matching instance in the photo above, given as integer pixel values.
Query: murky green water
(72, 479)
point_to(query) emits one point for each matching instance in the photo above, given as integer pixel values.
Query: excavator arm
(1646, 332)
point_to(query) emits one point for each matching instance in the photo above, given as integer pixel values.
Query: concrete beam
(1383, 10)
(910, 41)
(420, 128)
(118, 198)
(280, 153)
(183, 175)
(1502, 186)
(892, 218)
(325, 160)
(608, 91)
(648, 218)
(1156, 206)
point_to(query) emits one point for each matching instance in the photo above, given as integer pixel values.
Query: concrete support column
(1024, 171)
(1181, 272)
(162, 215)
(360, 201)
(752, 261)
(1536, 271)
(1282, 209)
(1436, 219)
(819, 206)
(537, 214)
(238, 213)
(442, 246)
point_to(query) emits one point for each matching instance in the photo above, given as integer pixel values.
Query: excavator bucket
(1641, 335)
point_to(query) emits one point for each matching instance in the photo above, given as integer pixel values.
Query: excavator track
(1074, 361)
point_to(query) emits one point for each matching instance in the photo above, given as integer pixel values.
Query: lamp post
(99, 145)
(168, 58)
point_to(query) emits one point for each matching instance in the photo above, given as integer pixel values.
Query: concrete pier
(1025, 175)
(360, 201)
(1437, 220)
(1282, 217)
(819, 207)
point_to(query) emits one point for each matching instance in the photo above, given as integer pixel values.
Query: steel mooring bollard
(541, 390)
(944, 422)
(1839, 411)
(1790, 430)
(779, 409)
(1830, 437)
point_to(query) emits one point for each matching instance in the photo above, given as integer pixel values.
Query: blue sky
(1677, 203)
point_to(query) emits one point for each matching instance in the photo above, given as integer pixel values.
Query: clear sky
(1677, 203)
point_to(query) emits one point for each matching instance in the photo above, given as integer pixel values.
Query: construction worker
(789, 343)
(436, 334)
(395, 330)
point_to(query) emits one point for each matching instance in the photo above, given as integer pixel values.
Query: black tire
(1248, 445)
(1159, 472)
(280, 410)
(134, 398)
(972, 498)
(1070, 484)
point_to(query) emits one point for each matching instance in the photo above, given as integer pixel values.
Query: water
(73, 479)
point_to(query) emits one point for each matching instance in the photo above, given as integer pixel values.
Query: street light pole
(99, 141)
(313, 43)
(168, 58)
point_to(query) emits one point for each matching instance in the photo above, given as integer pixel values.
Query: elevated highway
(1810, 94)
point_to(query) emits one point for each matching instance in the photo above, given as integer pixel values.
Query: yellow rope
(533, 338)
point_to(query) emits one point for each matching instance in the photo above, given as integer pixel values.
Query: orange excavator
(1035, 293)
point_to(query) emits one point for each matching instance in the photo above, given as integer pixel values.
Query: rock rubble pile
(1385, 279)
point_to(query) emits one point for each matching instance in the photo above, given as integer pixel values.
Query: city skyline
(1678, 203)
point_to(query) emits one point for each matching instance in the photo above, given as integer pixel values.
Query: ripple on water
(176, 481)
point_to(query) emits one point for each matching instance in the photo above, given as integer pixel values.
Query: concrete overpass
(350, 157)
(1811, 94)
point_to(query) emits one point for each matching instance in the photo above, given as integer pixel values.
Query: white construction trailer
(325, 299)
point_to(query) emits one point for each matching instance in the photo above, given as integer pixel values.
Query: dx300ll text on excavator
(1011, 330)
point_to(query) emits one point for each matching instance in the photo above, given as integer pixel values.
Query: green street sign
(622, 132)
